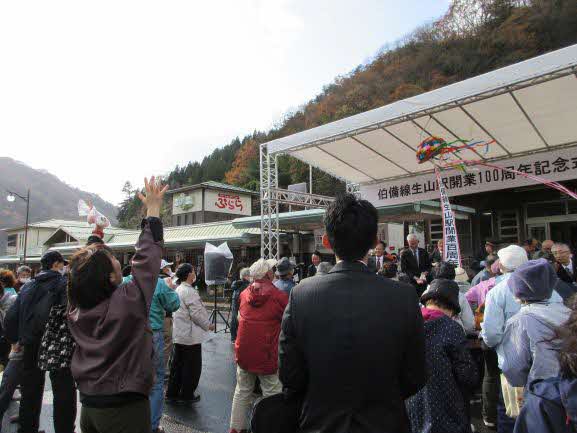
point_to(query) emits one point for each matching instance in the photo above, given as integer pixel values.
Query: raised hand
(152, 199)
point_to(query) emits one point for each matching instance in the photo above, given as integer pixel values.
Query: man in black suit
(415, 262)
(351, 348)
(312, 269)
(566, 270)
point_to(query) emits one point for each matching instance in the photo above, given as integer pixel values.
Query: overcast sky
(102, 92)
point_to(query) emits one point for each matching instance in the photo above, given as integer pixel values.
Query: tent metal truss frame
(272, 195)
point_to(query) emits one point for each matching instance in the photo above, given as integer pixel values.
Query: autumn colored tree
(471, 38)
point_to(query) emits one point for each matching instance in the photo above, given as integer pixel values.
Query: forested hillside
(474, 37)
(50, 197)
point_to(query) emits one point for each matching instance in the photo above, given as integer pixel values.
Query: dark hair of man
(528, 242)
(567, 333)
(384, 244)
(445, 270)
(351, 226)
(90, 270)
(183, 272)
(317, 253)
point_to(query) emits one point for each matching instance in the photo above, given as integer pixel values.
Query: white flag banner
(451, 249)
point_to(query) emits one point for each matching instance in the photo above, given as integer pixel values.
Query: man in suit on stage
(312, 269)
(415, 262)
(566, 270)
(381, 257)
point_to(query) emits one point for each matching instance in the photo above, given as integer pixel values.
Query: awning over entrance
(311, 219)
(527, 107)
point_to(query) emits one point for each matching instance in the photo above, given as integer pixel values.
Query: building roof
(527, 107)
(185, 236)
(313, 218)
(57, 223)
(214, 185)
(82, 233)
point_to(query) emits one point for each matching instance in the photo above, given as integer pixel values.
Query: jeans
(157, 391)
(491, 385)
(10, 381)
(243, 395)
(234, 315)
(167, 343)
(130, 418)
(185, 372)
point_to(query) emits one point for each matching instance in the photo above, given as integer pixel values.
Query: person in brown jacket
(112, 363)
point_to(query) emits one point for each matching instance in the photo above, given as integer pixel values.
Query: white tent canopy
(527, 107)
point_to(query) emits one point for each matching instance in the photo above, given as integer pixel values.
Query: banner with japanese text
(451, 249)
(555, 165)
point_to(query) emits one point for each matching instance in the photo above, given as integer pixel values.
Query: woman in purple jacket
(112, 363)
(550, 405)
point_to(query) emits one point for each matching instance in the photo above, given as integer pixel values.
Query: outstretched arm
(146, 260)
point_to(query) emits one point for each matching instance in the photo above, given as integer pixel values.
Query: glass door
(538, 231)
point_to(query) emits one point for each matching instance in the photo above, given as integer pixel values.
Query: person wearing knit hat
(530, 347)
(512, 257)
(451, 370)
(501, 305)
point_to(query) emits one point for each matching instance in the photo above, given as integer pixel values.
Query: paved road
(212, 413)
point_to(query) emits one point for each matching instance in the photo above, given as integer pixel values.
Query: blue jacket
(550, 406)
(285, 285)
(26, 319)
(165, 300)
(500, 306)
(529, 348)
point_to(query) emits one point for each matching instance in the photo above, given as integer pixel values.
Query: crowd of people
(373, 343)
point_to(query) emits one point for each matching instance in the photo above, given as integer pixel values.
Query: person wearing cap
(465, 317)
(256, 346)
(530, 347)
(500, 306)
(488, 249)
(442, 405)
(24, 326)
(285, 272)
(23, 275)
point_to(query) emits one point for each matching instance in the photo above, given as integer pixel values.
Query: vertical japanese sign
(451, 250)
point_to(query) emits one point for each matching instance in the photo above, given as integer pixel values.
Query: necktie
(416, 253)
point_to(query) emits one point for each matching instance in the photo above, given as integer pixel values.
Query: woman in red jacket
(260, 314)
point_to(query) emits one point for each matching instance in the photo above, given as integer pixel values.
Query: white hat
(512, 257)
(461, 275)
(260, 268)
(272, 262)
(164, 264)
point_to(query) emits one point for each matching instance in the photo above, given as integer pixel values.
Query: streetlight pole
(11, 198)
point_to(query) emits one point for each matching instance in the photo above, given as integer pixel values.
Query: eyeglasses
(561, 252)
